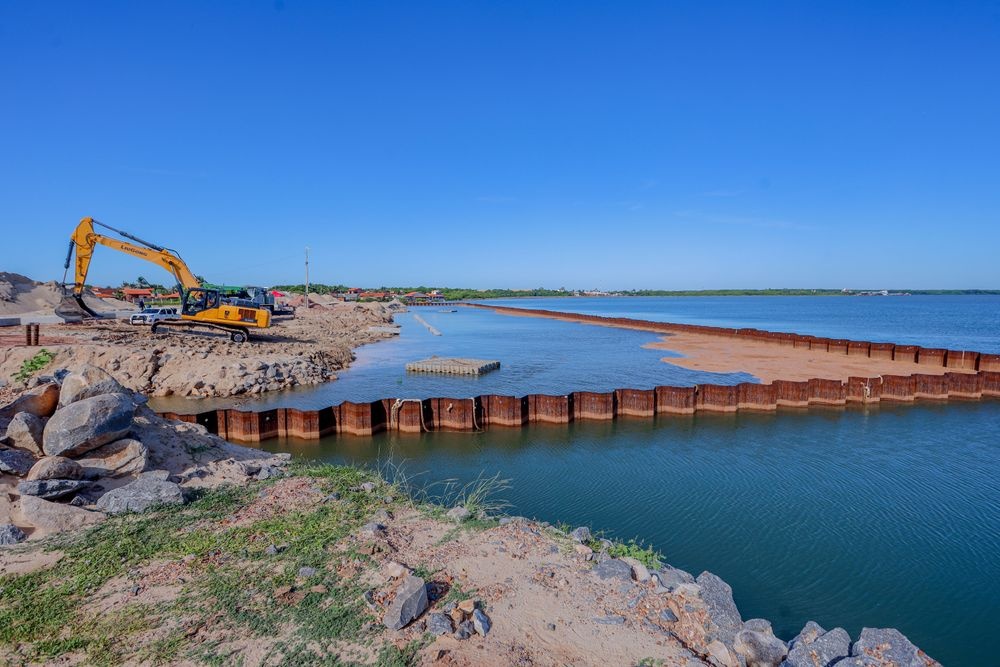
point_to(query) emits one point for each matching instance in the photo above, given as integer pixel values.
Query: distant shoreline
(465, 294)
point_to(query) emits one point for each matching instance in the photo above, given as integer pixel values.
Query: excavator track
(235, 334)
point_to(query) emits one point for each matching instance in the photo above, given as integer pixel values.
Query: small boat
(448, 310)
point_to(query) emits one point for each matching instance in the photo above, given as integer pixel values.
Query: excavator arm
(85, 239)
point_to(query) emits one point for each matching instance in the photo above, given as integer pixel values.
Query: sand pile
(20, 295)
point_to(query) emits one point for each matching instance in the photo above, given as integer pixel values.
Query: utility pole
(307, 277)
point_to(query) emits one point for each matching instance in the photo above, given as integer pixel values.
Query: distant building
(133, 294)
(105, 292)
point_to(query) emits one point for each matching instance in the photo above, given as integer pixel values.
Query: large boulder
(409, 603)
(11, 534)
(759, 648)
(815, 647)
(16, 461)
(614, 568)
(809, 633)
(25, 431)
(87, 382)
(885, 647)
(51, 489)
(718, 597)
(671, 577)
(52, 517)
(55, 467)
(140, 495)
(40, 401)
(116, 459)
(87, 424)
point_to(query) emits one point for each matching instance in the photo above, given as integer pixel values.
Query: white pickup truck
(150, 315)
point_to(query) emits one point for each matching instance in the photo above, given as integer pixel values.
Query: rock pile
(408, 598)
(701, 613)
(87, 447)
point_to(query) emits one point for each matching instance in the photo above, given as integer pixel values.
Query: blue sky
(589, 144)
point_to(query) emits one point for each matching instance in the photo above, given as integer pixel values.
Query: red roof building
(134, 294)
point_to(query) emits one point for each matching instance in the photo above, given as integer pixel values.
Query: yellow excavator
(201, 308)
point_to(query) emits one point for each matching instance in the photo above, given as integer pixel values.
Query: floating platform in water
(453, 366)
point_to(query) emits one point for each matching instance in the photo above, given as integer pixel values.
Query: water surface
(888, 517)
(953, 322)
(881, 517)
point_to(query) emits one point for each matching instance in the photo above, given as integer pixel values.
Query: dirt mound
(20, 294)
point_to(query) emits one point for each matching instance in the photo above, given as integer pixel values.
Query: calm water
(536, 356)
(883, 517)
(546, 356)
(955, 322)
(886, 517)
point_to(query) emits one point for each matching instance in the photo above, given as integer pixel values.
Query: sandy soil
(770, 362)
(302, 351)
(21, 296)
(546, 605)
(544, 602)
(763, 360)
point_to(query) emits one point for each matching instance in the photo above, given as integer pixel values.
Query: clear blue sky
(614, 145)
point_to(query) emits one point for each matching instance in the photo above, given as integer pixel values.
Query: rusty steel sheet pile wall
(675, 400)
(989, 362)
(504, 410)
(980, 379)
(550, 409)
(453, 414)
(635, 402)
(593, 405)
(481, 412)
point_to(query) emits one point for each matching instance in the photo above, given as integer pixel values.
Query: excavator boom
(85, 239)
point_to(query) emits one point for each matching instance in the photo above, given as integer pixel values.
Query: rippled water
(883, 517)
(552, 357)
(536, 356)
(880, 517)
(954, 322)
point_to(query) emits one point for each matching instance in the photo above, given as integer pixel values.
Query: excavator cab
(198, 300)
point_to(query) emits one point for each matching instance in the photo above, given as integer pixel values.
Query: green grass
(648, 556)
(391, 656)
(230, 582)
(36, 363)
(40, 617)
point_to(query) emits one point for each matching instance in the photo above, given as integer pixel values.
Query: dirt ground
(217, 589)
(770, 362)
(306, 350)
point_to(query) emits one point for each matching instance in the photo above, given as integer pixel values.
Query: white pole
(307, 277)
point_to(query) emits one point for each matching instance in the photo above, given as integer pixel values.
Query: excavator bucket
(73, 309)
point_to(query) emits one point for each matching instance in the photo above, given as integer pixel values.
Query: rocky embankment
(80, 449)
(164, 544)
(306, 350)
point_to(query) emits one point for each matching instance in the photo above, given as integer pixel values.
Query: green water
(886, 517)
